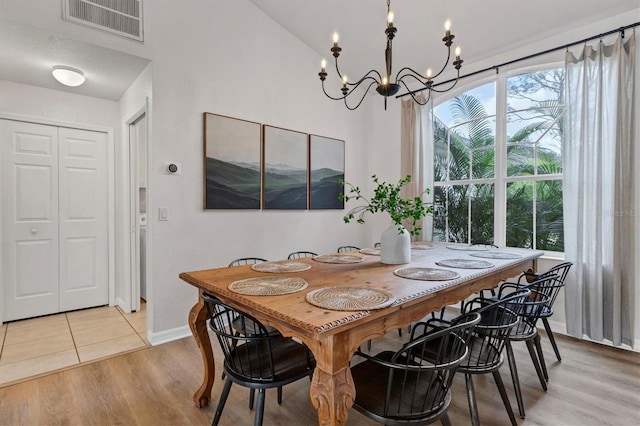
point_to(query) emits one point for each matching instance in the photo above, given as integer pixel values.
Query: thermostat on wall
(172, 168)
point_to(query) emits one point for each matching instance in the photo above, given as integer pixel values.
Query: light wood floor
(593, 385)
(38, 346)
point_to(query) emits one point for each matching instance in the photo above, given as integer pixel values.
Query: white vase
(395, 245)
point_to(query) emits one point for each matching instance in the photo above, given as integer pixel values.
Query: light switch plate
(163, 213)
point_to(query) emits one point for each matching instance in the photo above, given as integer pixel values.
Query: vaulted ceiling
(482, 28)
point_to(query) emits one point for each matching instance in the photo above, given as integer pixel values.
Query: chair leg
(257, 421)
(279, 395)
(471, 398)
(552, 339)
(369, 345)
(222, 401)
(543, 364)
(252, 397)
(400, 332)
(505, 398)
(445, 420)
(536, 364)
(514, 378)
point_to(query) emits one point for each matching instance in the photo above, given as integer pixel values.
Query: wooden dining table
(334, 335)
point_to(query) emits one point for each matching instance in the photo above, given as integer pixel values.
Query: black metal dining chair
(526, 331)
(301, 254)
(347, 249)
(258, 361)
(560, 273)
(412, 385)
(247, 261)
(245, 329)
(486, 345)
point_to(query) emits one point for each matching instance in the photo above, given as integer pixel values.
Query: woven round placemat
(465, 263)
(370, 251)
(426, 274)
(467, 247)
(268, 286)
(281, 266)
(350, 298)
(496, 255)
(420, 245)
(338, 258)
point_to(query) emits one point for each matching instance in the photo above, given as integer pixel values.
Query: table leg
(198, 325)
(332, 395)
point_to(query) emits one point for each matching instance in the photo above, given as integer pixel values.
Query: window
(498, 163)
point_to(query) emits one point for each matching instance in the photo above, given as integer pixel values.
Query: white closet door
(84, 244)
(30, 219)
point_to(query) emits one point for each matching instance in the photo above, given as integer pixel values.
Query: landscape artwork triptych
(249, 165)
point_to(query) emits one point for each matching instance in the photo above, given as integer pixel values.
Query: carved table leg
(332, 396)
(198, 325)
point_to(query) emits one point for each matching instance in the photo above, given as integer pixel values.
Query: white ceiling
(483, 28)
(27, 56)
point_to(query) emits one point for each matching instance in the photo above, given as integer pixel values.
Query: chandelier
(383, 83)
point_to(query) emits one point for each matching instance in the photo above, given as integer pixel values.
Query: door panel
(54, 219)
(84, 274)
(33, 282)
(30, 219)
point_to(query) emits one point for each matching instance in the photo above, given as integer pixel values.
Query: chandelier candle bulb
(447, 28)
(390, 17)
(335, 39)
(429, 74)
(323, 65)
(458, 51)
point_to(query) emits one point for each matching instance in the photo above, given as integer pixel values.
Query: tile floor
(40, 345)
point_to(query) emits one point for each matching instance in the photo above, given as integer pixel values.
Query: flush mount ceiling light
(68, 76)
(383, 83)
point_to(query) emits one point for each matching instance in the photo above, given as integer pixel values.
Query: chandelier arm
(413, 95)
(362, 80)
(331, 97)
(364, 77)
(361, 99)
(352, 90)
(411, 72)
(450, 87)
(445, 64)
(415, 77)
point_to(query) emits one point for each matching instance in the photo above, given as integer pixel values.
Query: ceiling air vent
(121, 17)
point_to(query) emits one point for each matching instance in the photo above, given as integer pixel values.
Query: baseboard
(169, 335)
(561, 328)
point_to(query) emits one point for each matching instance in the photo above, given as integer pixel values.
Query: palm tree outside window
(501, 183)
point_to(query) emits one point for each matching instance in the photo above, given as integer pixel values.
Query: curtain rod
(524, 58)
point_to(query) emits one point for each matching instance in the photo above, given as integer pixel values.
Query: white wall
(34, 101)
(219, 63)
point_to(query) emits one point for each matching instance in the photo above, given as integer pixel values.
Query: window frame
(500, 179)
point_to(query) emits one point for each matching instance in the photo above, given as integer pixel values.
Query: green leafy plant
(386, 198)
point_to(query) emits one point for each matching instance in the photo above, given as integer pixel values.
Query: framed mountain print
(326, 169)
(232, 170)
(284, 169)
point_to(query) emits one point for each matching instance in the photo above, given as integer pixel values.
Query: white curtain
(416, 148)
(599, 192)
